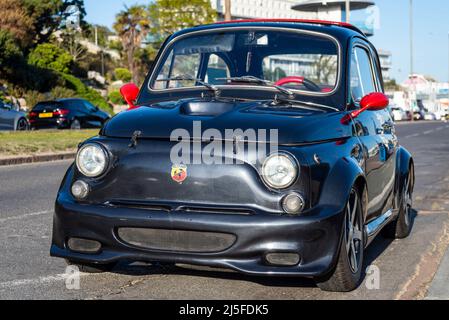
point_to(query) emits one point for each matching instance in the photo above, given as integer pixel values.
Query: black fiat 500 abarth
(262, 146)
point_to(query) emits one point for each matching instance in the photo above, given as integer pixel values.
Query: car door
(389, 139)
(79, 110)
(7, 117)
(370, 126)
(94, 119)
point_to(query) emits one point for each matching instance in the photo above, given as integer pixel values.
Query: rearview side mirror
(130, 92)
(372, 102)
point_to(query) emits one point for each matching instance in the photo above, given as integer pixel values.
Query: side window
(362, 77)
(71, 105)
(216, 69)
(181, 65)
(89, 106)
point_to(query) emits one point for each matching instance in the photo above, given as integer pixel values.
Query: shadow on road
(380, 244)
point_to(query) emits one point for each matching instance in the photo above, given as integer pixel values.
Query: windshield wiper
(255, 80)
(277, 99)
(305, 104)
(209, 86)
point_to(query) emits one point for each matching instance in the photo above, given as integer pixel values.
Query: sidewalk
(42, 157)
(439, 289)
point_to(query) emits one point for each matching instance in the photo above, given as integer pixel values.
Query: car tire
(75, 125)
(92, 268)
(22, 125)
(402, 226)
(347, 275)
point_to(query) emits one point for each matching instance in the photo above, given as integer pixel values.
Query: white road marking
(36, 281)
(412, 136)
(429, 131)
(24, 216)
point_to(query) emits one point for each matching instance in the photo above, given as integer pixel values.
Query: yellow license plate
(46, 115)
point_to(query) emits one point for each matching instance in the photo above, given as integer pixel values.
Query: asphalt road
(406, 267)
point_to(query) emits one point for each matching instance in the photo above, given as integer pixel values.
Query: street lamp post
(348, 11)
(412, 71)
(411, 38)
(228, 15)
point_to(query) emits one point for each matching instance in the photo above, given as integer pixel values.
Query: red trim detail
(130, 92)
(373, 102)
(292, 79)
(309, 21)
(60, 112)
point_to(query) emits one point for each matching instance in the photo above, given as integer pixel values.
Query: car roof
(298, 21)
(341, 31)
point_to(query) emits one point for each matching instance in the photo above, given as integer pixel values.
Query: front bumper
(53, 123)
(315, 236)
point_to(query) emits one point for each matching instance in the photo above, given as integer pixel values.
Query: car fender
(17, 117)
(345, 174)
(403, 161)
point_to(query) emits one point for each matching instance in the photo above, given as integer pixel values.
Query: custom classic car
(261, 146)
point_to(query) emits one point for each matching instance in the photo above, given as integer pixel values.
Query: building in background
(386, 63)
(253, 9)
(335, 10)
(432, 94)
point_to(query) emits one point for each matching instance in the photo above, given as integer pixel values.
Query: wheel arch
(17, 119)
(346, 174)
(404, 163)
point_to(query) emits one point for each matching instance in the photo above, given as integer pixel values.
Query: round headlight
(279, 171)
(91, 160)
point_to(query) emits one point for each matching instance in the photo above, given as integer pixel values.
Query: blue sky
(431, 32)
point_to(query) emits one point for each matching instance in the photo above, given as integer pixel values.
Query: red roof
(322, 22)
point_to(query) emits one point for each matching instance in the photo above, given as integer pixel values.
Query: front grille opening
(230, 211)
(140, 206)
(176, 240)
(174, 208)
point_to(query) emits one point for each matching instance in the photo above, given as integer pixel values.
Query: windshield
(291, 59)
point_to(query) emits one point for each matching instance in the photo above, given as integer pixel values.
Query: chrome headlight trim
(292, 175)
(98, 157)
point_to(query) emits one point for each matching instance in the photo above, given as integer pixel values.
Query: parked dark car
(12, 119)
(67, 114)
(307, 208)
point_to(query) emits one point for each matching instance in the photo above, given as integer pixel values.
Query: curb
(37, 158)
(439, 289)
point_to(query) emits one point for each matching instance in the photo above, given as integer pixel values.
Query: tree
(49, 56)
(123, 74)
(50, 15)
(169, 16)
(15, 20)
(98, 33)
(10, 52)
(391, 85)
(132, 26)
(71, 42)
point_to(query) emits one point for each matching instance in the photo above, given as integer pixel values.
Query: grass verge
(37, 142)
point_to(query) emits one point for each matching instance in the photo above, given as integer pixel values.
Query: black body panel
(333, 156)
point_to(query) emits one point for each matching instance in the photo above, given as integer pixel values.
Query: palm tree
(132, 26)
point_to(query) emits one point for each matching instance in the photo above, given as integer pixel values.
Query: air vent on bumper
(176, 240)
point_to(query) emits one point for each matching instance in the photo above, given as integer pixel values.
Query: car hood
(295, 125)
